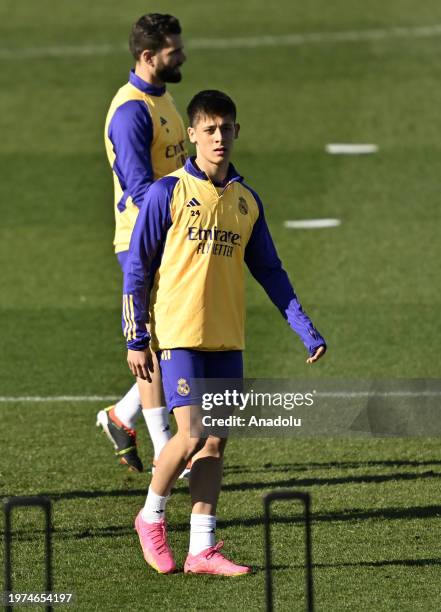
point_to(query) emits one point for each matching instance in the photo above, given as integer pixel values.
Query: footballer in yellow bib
(196, 230)
(145, 140)
(186, 265)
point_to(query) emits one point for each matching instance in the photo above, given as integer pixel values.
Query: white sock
(128, 408)
(202, 532)
(158, 425)
(154, 507)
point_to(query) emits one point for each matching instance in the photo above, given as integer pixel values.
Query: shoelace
(158, 536)
(215, 550)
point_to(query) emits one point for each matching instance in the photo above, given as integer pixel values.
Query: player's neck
(217, 173)
(147, 75)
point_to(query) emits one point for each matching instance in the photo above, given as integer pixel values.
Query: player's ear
(191, 135)
(146, 57)
(236, 130)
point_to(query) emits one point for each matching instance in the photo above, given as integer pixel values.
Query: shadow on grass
(383, 563)
(252, 486)
(317, 481)
(354, 514)
(327, 465)
(408, 513)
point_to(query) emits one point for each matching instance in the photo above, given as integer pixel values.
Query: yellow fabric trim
(132, 318)
(126, 327)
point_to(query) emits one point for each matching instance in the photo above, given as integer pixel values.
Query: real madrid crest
(243, 206)
(183, 387)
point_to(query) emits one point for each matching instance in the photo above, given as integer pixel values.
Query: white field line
(311, 223)
(335, 148)
(360, 394)
(58, 398)
(112, 398)
(285, 40)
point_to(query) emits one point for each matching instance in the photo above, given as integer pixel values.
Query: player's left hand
(141, 363)
(319, 353)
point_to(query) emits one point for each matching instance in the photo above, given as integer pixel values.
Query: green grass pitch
(371, 285)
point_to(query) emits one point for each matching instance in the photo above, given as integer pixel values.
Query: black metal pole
(308, 555)
(305, 498)
(27, 501)
(268, 560)
(8, 551)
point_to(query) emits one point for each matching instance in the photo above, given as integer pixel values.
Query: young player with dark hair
(196, 229)
(145, 139)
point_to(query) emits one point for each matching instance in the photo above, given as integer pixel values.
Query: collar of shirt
(148, 88)
(193, 170)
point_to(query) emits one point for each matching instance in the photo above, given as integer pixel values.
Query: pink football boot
(153, 539)
(210, 561)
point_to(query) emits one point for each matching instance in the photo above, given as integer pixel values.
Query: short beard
(169, 75)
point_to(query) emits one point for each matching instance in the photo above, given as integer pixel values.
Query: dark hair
(150, 32)
(211, 102)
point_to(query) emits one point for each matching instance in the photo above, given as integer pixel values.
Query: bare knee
(191, 445)
(214, 447)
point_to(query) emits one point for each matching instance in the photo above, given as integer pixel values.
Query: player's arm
(264, 264)
(144, 257)
(131, 134)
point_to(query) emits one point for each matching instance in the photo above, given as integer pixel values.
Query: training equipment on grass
(305, 498)
(27, 501)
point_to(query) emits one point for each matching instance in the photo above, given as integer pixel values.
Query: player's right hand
(141, 363)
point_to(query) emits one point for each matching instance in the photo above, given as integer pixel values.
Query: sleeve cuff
(139, 344)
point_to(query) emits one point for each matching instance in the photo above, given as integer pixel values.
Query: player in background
(145, 140)
(197, 229)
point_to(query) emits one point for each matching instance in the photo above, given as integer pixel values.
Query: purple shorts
(180, 366)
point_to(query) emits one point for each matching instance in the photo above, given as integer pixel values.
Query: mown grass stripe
(245, 42)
